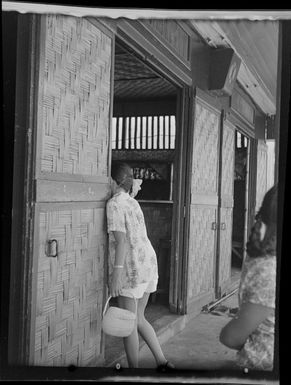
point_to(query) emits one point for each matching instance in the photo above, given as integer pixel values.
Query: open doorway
(242, 144)
(144, 136)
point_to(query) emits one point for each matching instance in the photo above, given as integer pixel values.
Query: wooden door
(178, 262)
(70, 172)
(202, 206)
(261, 185)
(224, 249)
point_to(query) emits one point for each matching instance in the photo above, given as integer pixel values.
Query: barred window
(241, 141)
(144, 132)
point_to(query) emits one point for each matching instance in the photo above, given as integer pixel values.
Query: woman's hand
(115, 285)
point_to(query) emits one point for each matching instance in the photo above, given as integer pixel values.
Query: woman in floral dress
(132, 263)
(251, 332)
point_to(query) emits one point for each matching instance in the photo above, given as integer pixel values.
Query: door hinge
(184, 211)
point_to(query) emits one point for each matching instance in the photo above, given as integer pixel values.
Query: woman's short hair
(122, 173)
(267, 214)
(268, 210)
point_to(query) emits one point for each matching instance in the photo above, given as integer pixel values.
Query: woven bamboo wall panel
(70, 288)
(262, 155)
(201, 251)
(225, 245)
(227, 161)
(205, 151)
(75, 97)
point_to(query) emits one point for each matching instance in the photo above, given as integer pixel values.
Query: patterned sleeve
(115, 217)
(259, 283)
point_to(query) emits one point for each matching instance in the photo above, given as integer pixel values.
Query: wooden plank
(135, 35)
(207, 102)
(144, 155)
(218, 256)
(54, 191)
(204, 199)
(48, 206)
(145, 108)
(227, 201)
(180, 164)
(33, 283)
(106, 25)
(38, 97)
(244, 108)
(73, 177)
(166, 36)
(20, 261)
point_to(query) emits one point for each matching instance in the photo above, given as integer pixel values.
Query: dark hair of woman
(267, 214)
(122, 174)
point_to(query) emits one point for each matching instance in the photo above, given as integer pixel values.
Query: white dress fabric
(140, 271)
(258, 286)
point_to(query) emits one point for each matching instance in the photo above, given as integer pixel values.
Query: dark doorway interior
(240, 202)
(143, 135)
(9, 53)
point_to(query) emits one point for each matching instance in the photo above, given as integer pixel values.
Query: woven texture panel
(225, 245)
(261, 173)
(76, 97)
(227, 161)
(227, 176)
(70, 288)
(205, 151)
(202, 240)
(201, 251)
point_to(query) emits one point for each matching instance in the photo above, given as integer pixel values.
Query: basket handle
(107, 303)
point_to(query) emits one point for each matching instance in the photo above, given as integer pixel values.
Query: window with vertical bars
(144, 132)
(241, 141)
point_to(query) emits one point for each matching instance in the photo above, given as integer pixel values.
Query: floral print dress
(140, 266)
(258, 286)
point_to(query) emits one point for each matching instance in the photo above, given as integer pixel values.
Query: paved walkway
(197, 345)
(194, 348)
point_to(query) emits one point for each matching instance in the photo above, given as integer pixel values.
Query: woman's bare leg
(131, 343)
(147, 331)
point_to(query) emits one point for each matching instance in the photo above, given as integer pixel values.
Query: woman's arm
(249, 317)
(115, 284)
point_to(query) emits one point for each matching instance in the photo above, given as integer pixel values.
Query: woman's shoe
(167, 367)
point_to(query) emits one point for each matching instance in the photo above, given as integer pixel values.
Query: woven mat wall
(204, 181)
(70, 288)
(74, 104)
(76, 97)
(205, 151)
(226, 213)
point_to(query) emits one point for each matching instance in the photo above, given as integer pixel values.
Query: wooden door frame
(195, 94)
(180, 226)
(187, 159)
(22, 225)
(24, 229)
(217, 288)
(10, 139)
(142, 49)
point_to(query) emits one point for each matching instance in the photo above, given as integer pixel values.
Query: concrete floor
(197, 346)
(189, 344)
